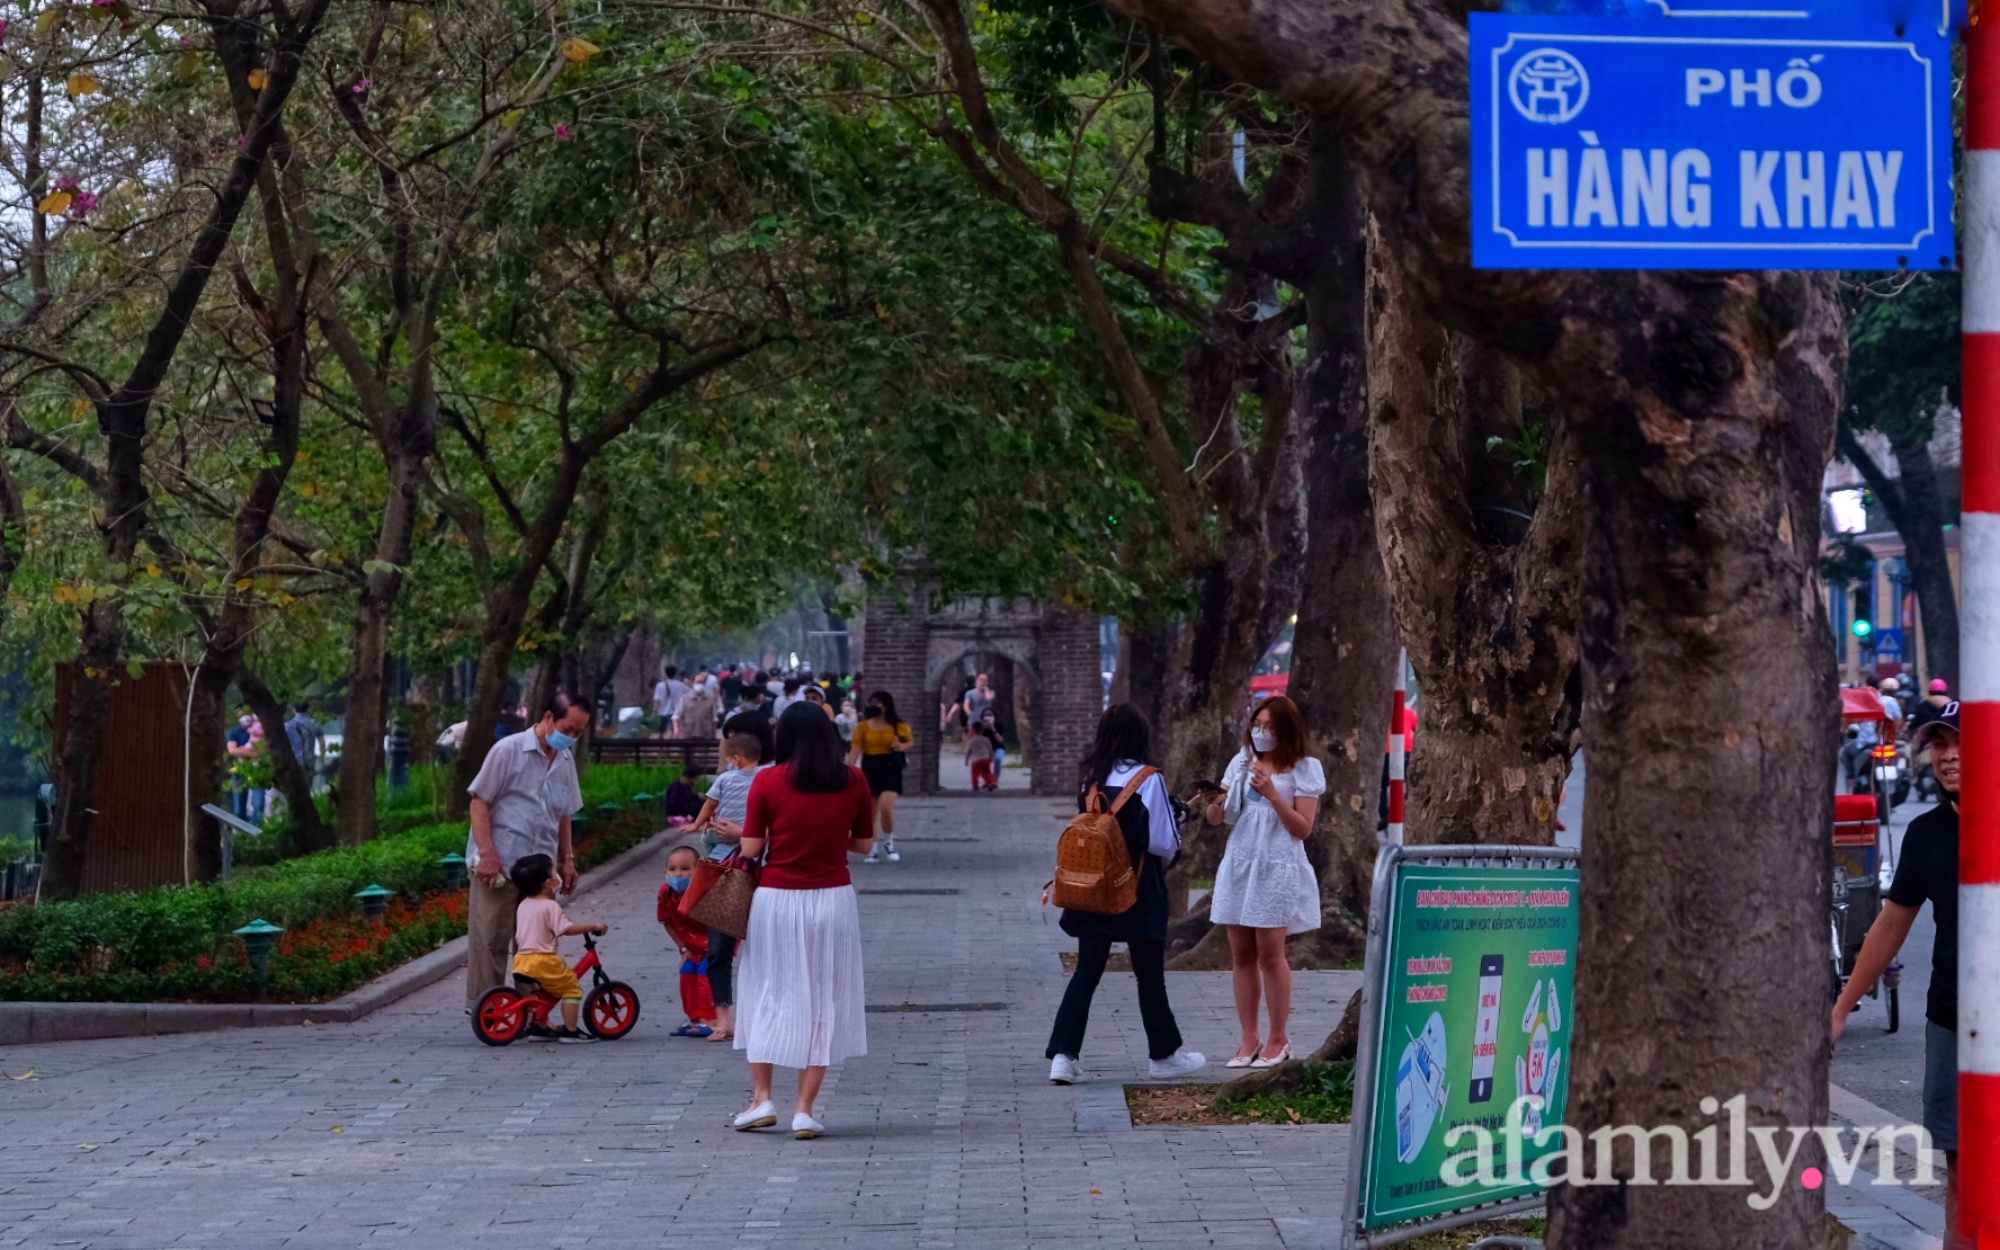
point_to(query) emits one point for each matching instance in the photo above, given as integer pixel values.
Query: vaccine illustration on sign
(1535, 1072)
(1420, 1088)
(1486, 1031)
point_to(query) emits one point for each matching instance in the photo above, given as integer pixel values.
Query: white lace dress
(1265, 880)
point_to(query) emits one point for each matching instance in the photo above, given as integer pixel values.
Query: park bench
(702, 753)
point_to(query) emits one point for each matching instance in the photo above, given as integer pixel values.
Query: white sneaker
(1064, 1071)
(1180, 1063)
(893, 857)
(763, 1115)
(872, 858)
(805, 1128)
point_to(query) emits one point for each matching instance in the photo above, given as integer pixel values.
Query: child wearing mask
(691, 939)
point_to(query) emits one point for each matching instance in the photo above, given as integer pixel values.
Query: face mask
(677, 884)
(245, 721)
(1263, 739)
(560, 740)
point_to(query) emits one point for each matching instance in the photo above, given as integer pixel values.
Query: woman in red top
(799, 997)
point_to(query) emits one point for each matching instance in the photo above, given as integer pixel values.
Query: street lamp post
(1979, 665)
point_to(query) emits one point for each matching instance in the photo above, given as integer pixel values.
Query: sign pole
(1396, 744)
(1979, 678)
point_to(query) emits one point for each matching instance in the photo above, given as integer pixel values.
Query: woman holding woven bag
(799, 996)
(1121, 756)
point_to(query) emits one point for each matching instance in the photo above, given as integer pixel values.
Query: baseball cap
(1938, 685)
(1947, 719)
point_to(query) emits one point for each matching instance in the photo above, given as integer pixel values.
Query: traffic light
(1863, 627)
(1864, 613)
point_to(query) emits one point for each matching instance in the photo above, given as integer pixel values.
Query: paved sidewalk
(404, 1130)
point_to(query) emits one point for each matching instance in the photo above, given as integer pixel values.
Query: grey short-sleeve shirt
(529, 794)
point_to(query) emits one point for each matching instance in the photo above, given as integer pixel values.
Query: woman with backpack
(1118, 778)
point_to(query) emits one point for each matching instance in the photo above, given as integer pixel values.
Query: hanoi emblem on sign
(1549, 85)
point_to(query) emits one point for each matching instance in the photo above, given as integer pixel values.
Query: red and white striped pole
(1396, 761)
(1979, 664)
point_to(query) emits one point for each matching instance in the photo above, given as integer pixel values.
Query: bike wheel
(610, 1010)
(1895, 1009)
(499, 1017)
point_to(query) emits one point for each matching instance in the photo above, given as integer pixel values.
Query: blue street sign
(1705, 143)
(1888, 642)
(1882, 15)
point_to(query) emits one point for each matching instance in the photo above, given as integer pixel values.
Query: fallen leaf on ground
(89, 1145)
(29, 1075)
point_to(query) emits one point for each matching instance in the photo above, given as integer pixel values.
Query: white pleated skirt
(800, 1002)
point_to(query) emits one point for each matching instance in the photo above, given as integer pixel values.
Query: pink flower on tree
(361, 85)
(562, 130)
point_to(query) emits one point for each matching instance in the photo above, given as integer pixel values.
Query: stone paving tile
(403, 1131)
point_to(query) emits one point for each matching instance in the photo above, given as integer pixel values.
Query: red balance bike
(508, 1012)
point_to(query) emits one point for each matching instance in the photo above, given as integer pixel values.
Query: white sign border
(1930, 146)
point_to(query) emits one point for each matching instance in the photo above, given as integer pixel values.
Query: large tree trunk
(367, 688)
(1486, 595)
(1145, 666)
(1344, 645)
(1705, 402)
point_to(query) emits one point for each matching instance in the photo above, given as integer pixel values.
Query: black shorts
(884, 773)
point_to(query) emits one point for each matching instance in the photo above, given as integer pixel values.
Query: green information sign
(1470, 1021)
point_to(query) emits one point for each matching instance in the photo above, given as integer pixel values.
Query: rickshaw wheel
(610, 1011)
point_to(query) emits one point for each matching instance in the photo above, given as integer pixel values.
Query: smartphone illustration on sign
(1486, 1033)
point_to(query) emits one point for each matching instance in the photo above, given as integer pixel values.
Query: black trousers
(1149, 967)
(722, 967)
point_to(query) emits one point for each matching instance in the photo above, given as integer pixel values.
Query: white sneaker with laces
(805, 1128)
(1064, 1071)
(872, 858)
(763, 1115)
(893, 857)
(1180, 1063)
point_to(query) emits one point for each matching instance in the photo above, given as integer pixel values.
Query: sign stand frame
(1353, 1236)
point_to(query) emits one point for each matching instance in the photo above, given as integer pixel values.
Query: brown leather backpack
(1094, 868)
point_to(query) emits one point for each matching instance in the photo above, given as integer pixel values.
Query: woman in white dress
(1265, 888)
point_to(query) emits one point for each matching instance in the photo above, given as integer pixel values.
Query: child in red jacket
(691, 938)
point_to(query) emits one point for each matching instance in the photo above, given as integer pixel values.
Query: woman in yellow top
(880, 742)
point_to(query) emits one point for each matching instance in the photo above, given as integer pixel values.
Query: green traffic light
(1863, 627)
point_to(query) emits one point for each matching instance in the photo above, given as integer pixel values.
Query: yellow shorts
(552, 972)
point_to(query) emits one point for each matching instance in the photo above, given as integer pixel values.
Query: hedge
(177, 942)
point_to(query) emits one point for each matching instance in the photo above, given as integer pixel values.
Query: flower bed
(177, 942)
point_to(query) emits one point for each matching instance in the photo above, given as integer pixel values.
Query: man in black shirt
(752, 718)
(1927, 872)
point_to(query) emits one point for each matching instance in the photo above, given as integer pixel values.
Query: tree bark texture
(1487, 596)
(1344, 644)
(1916, 508)
(1705, 407)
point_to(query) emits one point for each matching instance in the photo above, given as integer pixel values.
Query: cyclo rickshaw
(1862, 853)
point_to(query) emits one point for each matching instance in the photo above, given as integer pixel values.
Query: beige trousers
(489, 926)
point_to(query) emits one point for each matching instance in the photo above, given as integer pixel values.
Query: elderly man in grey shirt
(522, 801)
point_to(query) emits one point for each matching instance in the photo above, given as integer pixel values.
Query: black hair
(559, 705)
(530, 873)
(672, 671)
(1122, 735)
(678, 847)
(888, 702)
(810, 748)
(792, 685)
(754, 690)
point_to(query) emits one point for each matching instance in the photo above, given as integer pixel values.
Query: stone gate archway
(911, 642)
